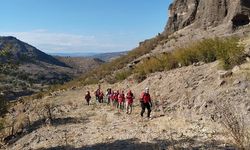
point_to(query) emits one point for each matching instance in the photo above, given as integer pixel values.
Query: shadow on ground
(40, 123)
(135, 144)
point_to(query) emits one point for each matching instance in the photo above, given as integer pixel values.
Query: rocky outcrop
(206, 14)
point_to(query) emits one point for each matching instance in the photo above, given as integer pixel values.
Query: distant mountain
(22, 52)
(81, 64)
(102, 56)
(109, 56)
(73, 54)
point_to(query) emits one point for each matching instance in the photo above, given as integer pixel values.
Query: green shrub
(228, 51)
(122, 75)
(206, 50)
(186, 56)
(168, 61)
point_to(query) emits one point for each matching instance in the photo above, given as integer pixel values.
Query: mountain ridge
(22, 52)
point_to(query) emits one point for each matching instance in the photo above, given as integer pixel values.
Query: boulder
(224, 74)
(236, 82)
(248, 59)
(235, 69)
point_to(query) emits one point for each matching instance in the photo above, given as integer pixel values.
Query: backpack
(97, 92)
(87, 97)
(145, 97)
(130, 95)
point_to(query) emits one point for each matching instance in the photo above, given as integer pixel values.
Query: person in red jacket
(146, 102)
(112, 96)
(87, 97)
(129, 102)
(101, 97)
(116, 98)
(121, 99)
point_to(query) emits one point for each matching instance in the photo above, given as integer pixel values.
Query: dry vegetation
(228, 51)
(235, 125)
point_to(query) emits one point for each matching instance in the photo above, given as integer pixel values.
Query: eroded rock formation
(206, 14)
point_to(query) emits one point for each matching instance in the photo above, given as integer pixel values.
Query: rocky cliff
(206, 14)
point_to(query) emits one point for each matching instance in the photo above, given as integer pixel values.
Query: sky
(83, 26)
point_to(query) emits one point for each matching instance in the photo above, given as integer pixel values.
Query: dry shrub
(3, 106)
(2, 129)
(186, 56)
(235, 125)
(122, 75)
(49, 111)
(227, 50)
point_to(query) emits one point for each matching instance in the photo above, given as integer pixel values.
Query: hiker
(145, 100)
(121, 99)
(87, 97)
(97, 94)
(116, 98)
(129, 102)
(108, 95)
(101, 97)
(112, 97)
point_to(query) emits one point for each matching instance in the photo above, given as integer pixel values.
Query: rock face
(206, 14)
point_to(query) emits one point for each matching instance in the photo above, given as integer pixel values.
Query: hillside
(26, 70)
(109, 56)
(185, 114)
(81, 64)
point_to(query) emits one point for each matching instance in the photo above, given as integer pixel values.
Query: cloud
(64, 42)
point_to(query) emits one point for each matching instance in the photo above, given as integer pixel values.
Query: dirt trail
(99, 126)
